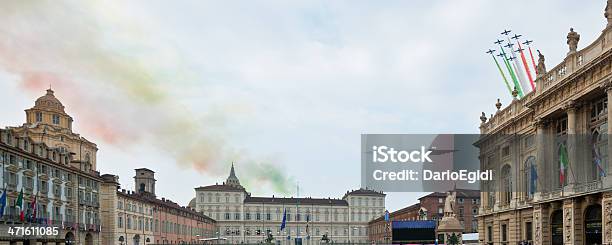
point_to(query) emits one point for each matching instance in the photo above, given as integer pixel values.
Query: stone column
(606, 218)
(540, 161)
(568, 221)
(570, 108)
(607, 180)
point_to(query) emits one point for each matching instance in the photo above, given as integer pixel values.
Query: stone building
(56, 169)
(377, 228)
(550, 154)
(431, 207)
(468, 203)
(139, 217)
(242, 217)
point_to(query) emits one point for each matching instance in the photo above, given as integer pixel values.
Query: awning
(414, 224)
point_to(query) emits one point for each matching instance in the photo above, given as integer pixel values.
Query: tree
(269, 238)
(325, 238)
(453, 240)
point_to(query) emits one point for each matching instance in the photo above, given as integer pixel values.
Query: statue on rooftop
(608, 12)
(540, 68)
(572, 40)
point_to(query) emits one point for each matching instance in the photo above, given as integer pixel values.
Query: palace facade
(243, 218)
(139, 217)
(55, 169)
(536, 196)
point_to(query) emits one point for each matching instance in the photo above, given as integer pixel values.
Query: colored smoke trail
(115, 79)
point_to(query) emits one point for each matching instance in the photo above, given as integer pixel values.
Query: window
(120, 222)
(504, 232)
(440, 200)
(460, 200)
(68, 192)
(528, 231)
(490, 234)
(227, 216)
(531, 176)
(38, 116)
(507, 184)
(237, 216)
(56, 119)
(506, 151)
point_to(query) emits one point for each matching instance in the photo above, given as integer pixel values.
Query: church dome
(192, 203)
(49, 102)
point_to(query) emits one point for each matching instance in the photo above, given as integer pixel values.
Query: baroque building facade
(550, 151)
(243, 218)
(55, 169)
(139, 217)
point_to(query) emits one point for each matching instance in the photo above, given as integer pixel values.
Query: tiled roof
(217, 187)
(463, 193)
(364, 192)
(294, 201)
(398, 212)
(149, 198)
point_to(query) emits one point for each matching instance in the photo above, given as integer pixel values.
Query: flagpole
(297, 213)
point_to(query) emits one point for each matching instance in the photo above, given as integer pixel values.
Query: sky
(282, 88)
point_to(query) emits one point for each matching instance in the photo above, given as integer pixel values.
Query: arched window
(531, 176)
(556, 227)
(506, 184)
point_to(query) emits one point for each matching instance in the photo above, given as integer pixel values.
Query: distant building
(467, 205)
(56, 167)
(245, 218)
(430, 207)
(377, 228)
(139, 217)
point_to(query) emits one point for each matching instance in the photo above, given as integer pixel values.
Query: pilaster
(568, 222)
(537, 225)
(607, 218)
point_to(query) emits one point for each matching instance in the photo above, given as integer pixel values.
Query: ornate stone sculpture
(540, 68)
(608, 221)
(572, 40)
(449, 204)
(498, 105)
(483, 117)
(538, 228)
(608, 12)
(567, 231)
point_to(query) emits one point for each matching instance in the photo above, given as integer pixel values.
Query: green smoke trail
(265, 172)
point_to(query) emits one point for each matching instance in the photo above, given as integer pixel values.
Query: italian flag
(563, 162)
(19, 204)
